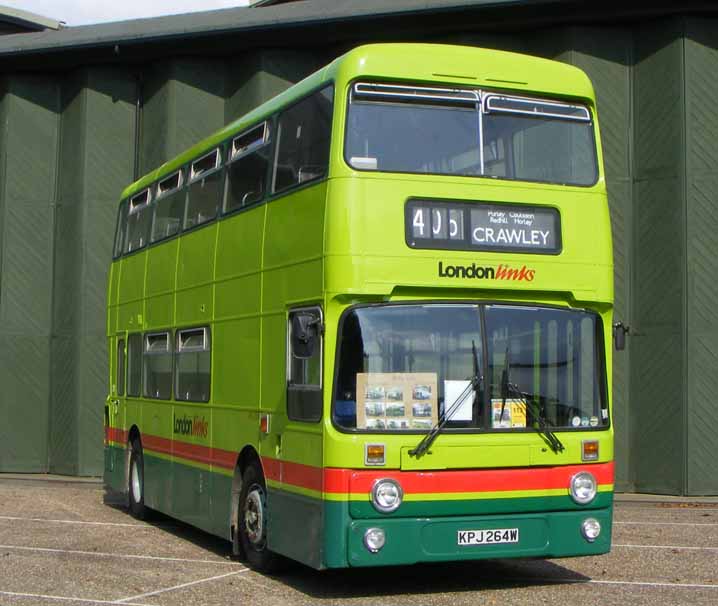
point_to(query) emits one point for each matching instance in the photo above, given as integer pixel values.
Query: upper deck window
(169, 208)
(138, 221)
(205, 190)
(303, 138)
(248, 168)
(466, 132)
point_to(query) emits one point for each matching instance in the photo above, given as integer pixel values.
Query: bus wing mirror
(619, 335)
(305, 331)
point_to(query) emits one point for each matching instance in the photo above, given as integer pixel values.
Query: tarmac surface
(61, 544)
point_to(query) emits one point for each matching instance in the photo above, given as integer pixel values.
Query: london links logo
(479, 272)
(191, 426)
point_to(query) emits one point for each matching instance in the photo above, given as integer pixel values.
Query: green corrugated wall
(68, 145)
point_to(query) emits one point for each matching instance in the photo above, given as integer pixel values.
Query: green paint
(408, 541)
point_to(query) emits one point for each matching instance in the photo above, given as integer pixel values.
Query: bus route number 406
(488, 537)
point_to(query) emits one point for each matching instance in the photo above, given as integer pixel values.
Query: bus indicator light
(374, 454)
(589, 450)
(264, 423)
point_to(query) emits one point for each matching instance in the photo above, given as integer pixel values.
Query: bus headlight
(374, 539)
(386, 495)
(583, 487)
(590, 529)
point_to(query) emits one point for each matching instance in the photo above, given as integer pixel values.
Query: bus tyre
(252, 521)
(136, 482)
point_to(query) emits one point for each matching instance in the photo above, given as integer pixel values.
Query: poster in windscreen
(397, 401)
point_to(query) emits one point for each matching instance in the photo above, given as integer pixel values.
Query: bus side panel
(187, 425)
(293, 277)
(195, 271)
(161, 285)
(236, 352)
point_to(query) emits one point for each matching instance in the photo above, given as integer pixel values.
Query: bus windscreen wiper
(543, 428)
(473, 386)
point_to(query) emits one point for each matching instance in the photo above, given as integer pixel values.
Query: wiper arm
(543, 427)
(473, 386)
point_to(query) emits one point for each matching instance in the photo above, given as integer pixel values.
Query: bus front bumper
(545, 535)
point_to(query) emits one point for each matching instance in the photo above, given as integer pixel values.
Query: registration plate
(488, 537)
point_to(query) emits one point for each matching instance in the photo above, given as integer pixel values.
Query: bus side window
(134, 365)
(120, 367)
(303, 141)
(206, 188)
(169, 207)
(120, 230)
(304, 365)
(247, 171)
(157, 366)
(138, 221)
(193, 365)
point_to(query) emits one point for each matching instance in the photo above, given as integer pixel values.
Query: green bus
(369, 323)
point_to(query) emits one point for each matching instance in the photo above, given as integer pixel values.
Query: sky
(82, 12)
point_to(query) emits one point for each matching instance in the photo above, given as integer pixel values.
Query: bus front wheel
(252, 521)
(136, 482)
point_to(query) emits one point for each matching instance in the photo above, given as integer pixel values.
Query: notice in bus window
(453, 390)
(396, 401)
(508, 416)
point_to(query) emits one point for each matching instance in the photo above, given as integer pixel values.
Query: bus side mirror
(619, 335)
(305, 330)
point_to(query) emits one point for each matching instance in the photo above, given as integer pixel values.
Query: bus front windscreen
(492, 136)
(402, 367)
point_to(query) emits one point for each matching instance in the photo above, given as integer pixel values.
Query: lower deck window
(134, 365)
(192, 365)
(158, 366)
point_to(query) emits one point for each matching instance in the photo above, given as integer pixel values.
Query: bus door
(301, 453)
(114, 423)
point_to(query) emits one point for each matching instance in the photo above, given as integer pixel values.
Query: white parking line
(182, 586)
(679, 547)
(59, 598)
(656, 584)
(19, 519)
(631, 523)
(560, 581)
(101, 554)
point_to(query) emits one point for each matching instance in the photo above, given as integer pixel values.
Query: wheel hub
(136, 484)
(254, 516)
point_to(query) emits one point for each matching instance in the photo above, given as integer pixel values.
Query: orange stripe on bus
(184, 450)
(347, 481)
(477, 480)
(297, 474)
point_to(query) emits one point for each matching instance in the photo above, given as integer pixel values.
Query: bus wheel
(136, 482)
(252, 521)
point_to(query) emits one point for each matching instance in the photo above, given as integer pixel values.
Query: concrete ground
(61, 544)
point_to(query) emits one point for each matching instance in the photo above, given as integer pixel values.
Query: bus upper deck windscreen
(394, 128)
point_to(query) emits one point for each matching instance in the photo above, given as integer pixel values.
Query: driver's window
(304, 364)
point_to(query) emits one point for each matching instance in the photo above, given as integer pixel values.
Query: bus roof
(462, 66)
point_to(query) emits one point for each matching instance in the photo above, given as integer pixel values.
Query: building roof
(288, 23)
(17, 20)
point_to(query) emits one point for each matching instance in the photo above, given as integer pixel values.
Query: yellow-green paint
(340, 242)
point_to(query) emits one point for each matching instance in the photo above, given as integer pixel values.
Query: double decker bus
(369, 323)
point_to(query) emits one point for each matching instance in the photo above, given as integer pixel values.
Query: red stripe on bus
(345, 481)
(297, 474)
(216, 457)
(478, 480)
(114, 434)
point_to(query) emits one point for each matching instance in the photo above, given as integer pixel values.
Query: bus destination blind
(481, 226)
